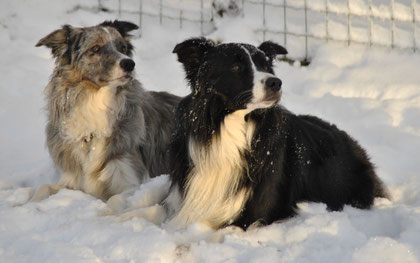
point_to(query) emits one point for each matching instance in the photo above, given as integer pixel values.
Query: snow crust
(373, 94)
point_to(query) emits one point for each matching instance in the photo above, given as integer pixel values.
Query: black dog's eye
(237, 68)
(95, 49)
(266, 67)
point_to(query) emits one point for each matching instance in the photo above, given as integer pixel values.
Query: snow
(373, 94)
(374, 22)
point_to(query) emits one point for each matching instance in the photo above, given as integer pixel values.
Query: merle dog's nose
(127, 64)
(274, 84)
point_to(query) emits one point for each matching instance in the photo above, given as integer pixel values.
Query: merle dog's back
(159, 116)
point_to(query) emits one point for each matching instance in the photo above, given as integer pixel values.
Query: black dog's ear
(272, 49)
(122, 26)
(190, 53)
(59, 41)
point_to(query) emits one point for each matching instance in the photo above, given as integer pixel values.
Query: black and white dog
(238, 158)
(105, 133)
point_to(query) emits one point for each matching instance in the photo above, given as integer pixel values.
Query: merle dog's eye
(95, 49)
(123, 49)
(236, 68)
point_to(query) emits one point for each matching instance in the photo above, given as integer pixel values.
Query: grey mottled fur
(141, 129)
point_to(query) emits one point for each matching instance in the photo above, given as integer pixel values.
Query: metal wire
(306, 29)
(347, 14)
(205, 19)
(413, 5)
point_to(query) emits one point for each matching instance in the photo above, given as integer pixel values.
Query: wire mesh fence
(386, 23)
(297, 24)
(184, 14)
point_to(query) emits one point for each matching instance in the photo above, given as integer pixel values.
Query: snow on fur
(373, 94)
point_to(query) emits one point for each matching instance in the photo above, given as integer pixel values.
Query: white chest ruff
(88, 125)
(212, 194)
(96, 114)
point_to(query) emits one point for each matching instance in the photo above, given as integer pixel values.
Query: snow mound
(373, 94)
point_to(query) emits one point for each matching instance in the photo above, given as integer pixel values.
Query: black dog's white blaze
(259, 92)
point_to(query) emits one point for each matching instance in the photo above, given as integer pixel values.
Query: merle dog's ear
(272, 49)
(122, 26)
(190, 53)
(59, 41)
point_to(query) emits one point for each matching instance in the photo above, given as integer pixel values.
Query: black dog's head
(99, 53)
(242, 74)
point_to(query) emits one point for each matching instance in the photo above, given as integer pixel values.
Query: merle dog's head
(100, 54)
(240, 73)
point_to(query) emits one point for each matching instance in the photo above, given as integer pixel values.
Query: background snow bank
(372, 94)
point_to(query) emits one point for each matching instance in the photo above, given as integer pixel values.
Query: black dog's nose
(273, 84)
(127, 64)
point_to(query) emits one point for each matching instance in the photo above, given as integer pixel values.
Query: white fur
(88, 127)
(94, 115)
(155, 214)
(108, 34)
(212, 194)
(258, 89)
(90, 124)
(119, 175)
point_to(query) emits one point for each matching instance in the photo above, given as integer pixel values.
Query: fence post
(99, 5)
(392, 24)
(140, 17)
(326, 21)
(285, 24)
(306, 29)
(348, 23)
(119, 8)
(160, 12)
(264, 20)
(370, 23)
(180, 15)
(413, 4)
(201, 17)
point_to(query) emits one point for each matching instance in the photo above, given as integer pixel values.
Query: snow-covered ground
(373, 94)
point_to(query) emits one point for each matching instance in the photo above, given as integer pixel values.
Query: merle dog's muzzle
(127, 65)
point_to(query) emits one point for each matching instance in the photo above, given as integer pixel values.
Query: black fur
(190, 53)
(122, 26)
(292, 158)
(271, 49)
